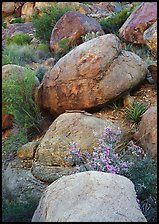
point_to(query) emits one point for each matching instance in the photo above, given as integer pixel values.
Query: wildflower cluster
(103, 158)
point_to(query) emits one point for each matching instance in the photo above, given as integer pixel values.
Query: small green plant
(135, 111)
(17, 20)
(40, 72)
(19, 39)
(4, 24)
(17, 93)
(90, 36)
(13, 142)
(112, 23)
(45, 23)
(19, 55)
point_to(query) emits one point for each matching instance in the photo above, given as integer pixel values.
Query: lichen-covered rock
(90, 75)
(27, 151)
(140, 19)
(90, 196)
(72, 25)
(150, 38)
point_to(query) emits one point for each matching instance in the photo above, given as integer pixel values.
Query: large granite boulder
(90, 75)
(72, 25)
(90, 196)
(7, 8)
(82, 128)
(27, 11)
(140, 19)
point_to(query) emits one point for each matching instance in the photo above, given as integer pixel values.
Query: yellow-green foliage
(89, 36)
(112, 23)
(45, 23)
(19, 39)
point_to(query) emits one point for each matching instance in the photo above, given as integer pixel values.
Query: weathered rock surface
(87, 76)
(7, 8)
(27, 151)
(89, 197)
(141, 19)
(150, 38)
(84, 129)
(18, 182)
(72, 25)
(147, 133)
(153, 69)
(27, 11)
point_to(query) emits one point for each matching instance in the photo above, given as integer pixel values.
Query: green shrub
(112, 23)
(19, 55)
(4, 24)
(19, 39)
(135, 111)
(17, 20)
(45, 23)
(17, 93)
(40, 72)
(43, 51)
(13, 142)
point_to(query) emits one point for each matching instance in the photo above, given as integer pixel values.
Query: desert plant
(103, 158)
(17, 20)
(19, 55)
(40, 72)
(19, 39)
(112, 23)
(131, 162)
(4, 24)
(135, 111)
(45, 23)
(17, 93)
(90, 36)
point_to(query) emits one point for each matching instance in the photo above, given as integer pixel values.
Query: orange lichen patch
(88, 58)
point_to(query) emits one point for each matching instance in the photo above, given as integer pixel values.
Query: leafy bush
(89, 36)
(19, 39)
(40, 72)
(19, 55)
(17, 20)
(135, 111)
(112, 23)
(132, 162)
(45, 23)
(17, 93)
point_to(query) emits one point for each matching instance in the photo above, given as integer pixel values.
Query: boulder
(27, 11)
(72, 25)
(18, 8)
(7, 8)
(150, 38)
(27, 151)
(140, 19)
(147, 133)
(19, 181)
(153, 70)
(89, 196)
(39, 5)
(85, 77)
(82, 128)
